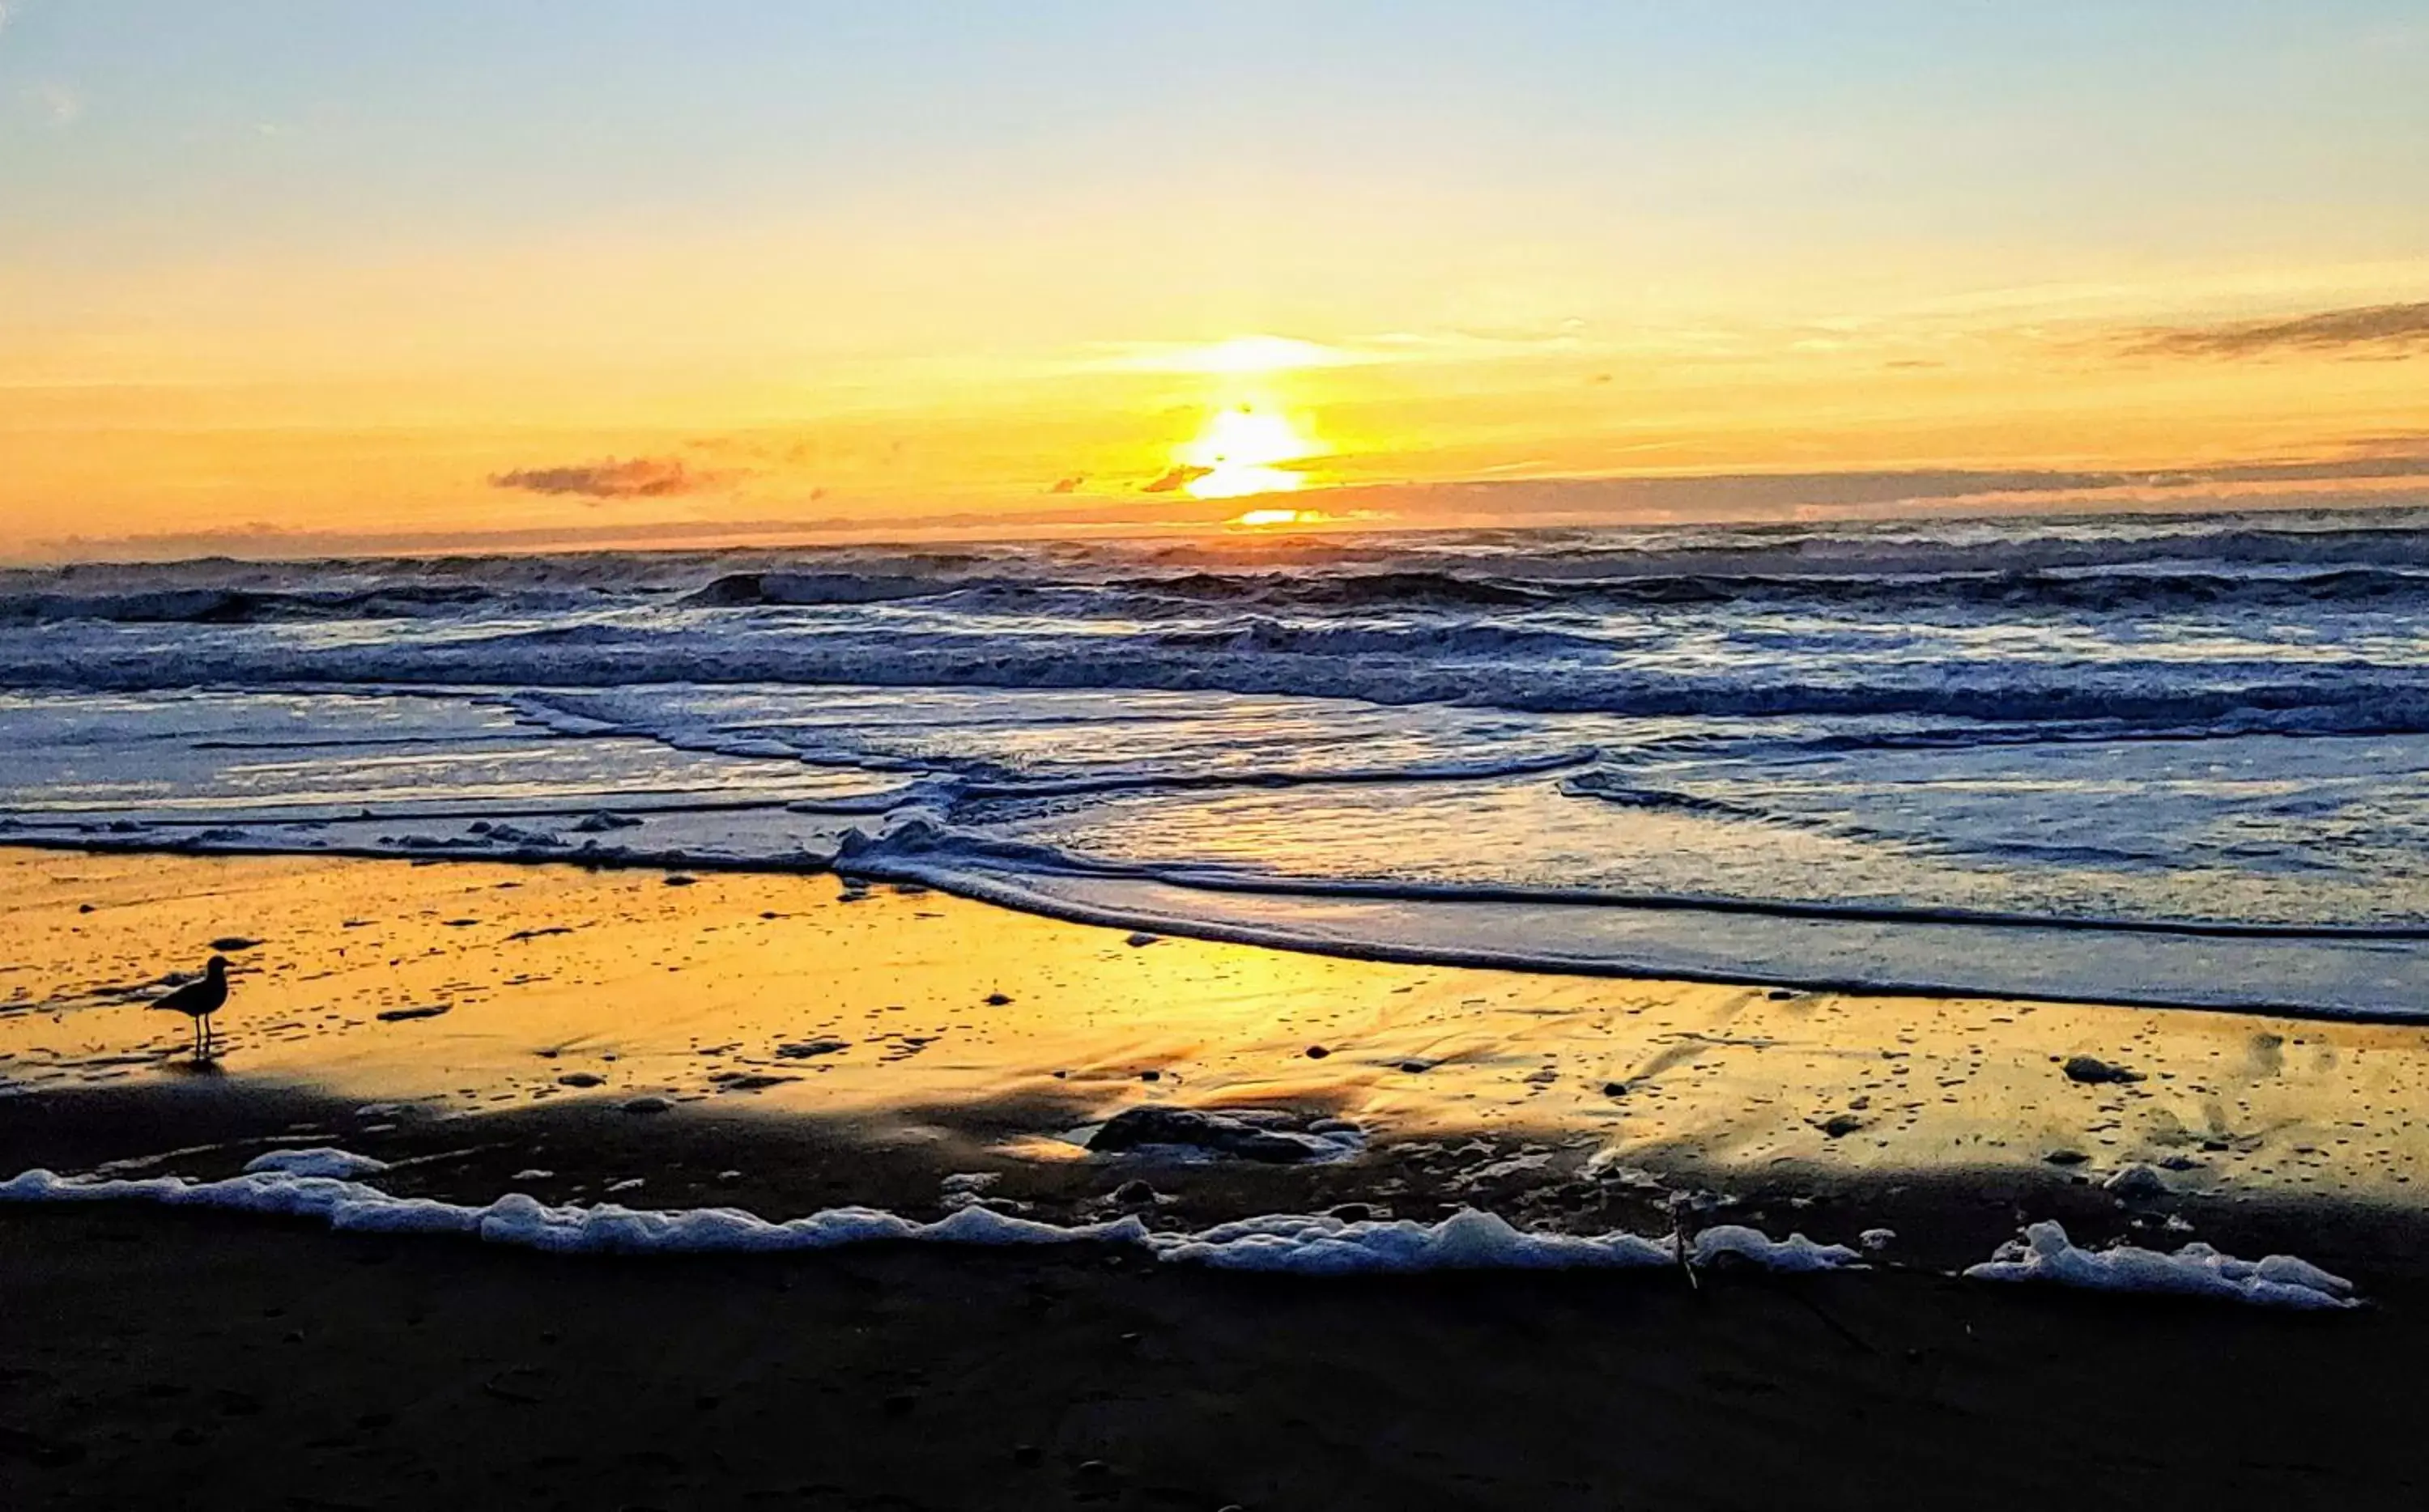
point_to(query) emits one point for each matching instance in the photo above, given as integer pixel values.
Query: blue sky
(351, 123)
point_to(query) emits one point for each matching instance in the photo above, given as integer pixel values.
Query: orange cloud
(1178, 477)
(635, 478)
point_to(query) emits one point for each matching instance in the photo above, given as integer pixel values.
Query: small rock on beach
(2091, 1069)
(399, 1015)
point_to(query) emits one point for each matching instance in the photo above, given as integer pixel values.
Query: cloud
(1067, 486)
(633, 478)
(1180, 477)
(2394, 328)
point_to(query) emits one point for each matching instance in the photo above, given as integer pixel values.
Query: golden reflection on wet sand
(774, 992)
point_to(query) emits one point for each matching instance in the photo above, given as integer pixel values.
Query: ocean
(2161, 761)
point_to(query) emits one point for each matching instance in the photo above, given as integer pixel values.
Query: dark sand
(183, 1359)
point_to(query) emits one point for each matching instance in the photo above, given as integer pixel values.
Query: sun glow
(1241, 355)
(1242, 451)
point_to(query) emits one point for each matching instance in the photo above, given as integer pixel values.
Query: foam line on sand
(2045, 1254)
(1303, 1244)
(315, 1183)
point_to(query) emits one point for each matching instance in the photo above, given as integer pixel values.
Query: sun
(1240, 450)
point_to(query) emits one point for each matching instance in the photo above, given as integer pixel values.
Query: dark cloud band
(2378, 327)
(633, 478)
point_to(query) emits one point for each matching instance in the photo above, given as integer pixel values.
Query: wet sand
(465, 988)
(207, 1359)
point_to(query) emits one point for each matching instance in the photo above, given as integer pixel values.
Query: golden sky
(323, 277)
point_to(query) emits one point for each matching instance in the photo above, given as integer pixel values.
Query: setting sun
(1241, 451)
(1269, 519)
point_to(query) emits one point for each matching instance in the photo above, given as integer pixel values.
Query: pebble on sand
(399, 1015)
(2138, 1183)
(646, 1105)
(804, 1049)
(1222, 1133)
(2089, 1068)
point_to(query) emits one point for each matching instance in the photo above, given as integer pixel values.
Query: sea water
(2164, 761)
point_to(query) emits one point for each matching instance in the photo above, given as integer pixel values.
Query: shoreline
(1017, 893)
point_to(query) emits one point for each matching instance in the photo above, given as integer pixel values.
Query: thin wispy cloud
(616, 478)
(2366, 329)
(59, 104)
(1236, 354)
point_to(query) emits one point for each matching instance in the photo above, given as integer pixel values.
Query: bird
(199, 1000)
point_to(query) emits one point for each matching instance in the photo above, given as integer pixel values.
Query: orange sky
(269, 317)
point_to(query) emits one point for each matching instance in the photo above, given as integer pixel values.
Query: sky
(302, 275)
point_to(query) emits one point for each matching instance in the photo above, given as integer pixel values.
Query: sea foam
(1294, 1244)
(312, 1184)
(2046, 1253)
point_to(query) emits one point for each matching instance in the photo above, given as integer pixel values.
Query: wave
(2330, 974)
(758, 589)
(242, 606)
(2084, 563)
(1295, 594)
(2009, 592)
(1448, 592)
(919, 847)
(1481, 666)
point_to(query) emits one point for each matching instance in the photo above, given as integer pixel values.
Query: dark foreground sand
(161, 1359)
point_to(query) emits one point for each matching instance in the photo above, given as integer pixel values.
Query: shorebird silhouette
(199, 1000)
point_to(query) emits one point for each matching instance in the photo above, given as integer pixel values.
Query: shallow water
(2153, 761)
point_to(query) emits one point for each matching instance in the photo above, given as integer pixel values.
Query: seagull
(199, 1000)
